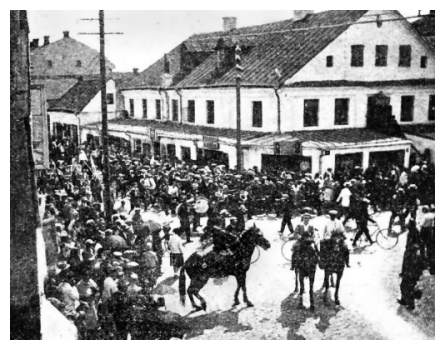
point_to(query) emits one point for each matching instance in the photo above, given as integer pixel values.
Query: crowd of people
(106, 270)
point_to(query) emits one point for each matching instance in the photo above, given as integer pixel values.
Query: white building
(316, 93)
(79, 106)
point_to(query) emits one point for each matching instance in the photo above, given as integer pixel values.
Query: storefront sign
(210, 142)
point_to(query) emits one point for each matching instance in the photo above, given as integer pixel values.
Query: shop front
(295, 163)
(346, 162)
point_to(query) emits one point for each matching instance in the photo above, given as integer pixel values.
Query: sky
(147, 34)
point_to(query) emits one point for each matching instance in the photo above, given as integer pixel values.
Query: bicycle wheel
(286, 250)
(255, 256)
(387, 240)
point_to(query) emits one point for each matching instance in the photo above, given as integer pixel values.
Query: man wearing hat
(287, 208)
(333, 226)
(183, 214)
(398, 209)
(362, 217)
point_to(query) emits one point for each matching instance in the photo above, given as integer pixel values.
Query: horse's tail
(182, 286)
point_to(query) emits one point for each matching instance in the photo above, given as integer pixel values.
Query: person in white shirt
(344, 199)
(110, 286)
(176, 251)
(333, 226)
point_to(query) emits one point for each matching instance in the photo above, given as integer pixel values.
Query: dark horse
(305, 260)
(334, 258)
(201, 268)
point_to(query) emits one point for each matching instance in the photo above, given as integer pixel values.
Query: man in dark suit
(183, 214)
(287, 214)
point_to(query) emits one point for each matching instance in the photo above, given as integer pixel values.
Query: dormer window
(78, 63)
(49, 63)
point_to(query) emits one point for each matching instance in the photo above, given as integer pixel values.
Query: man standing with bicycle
(362, 217)
(398, 209)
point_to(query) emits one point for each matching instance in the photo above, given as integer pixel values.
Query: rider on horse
(303, 233)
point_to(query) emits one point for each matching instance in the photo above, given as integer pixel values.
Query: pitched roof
(190, 129)
(77, 97)
(285, 45)
(57, 87)
(64, 54)
(423, 130)
(324, 138)
(426, 28)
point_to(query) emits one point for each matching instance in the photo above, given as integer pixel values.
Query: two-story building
(80, 105)
(318, 91)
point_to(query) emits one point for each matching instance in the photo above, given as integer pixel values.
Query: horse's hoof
(249, 304)
(236, 303)
(337, 302)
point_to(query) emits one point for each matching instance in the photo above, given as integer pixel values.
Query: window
(210, 112)
(78, 63)
(431, 108)
(110, 99)
(381, 55)
(257, 114)
(131, 101)
(175, 110)
(191, 111)
(310, 114)
(357, 55)
(158, 109)
(137, 145)
(49, 63)
(341, 111)
(407, 107)
(404, 56)
(423, 61)
(329, 61)
(144, 108)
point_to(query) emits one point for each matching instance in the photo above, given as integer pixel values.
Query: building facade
(321, 90)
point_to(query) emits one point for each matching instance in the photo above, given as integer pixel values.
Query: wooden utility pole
(239, 69)
(103, 99)
(108, 207)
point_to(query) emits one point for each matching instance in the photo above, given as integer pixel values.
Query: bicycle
(286, 246)
(382, 236)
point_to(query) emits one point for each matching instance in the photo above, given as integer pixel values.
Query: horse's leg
(332, 280)
(337, 286)
(192, 300)
(296, 281)
(194, 288)
(242, 278)
(326, 286)
(301, 278)
(238, 287)
(311, 289)
(190, 292)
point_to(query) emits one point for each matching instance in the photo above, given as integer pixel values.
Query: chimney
(166, 80)
(46, 40)
(34, 43)
(66, 34)
(136, 71)
(301, 14)
(229, 23)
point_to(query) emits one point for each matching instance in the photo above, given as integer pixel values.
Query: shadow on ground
(228, 319)
(293, 316)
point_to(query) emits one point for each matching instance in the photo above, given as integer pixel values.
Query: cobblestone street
(368, 295)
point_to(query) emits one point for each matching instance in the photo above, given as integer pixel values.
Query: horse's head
(254, 236)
